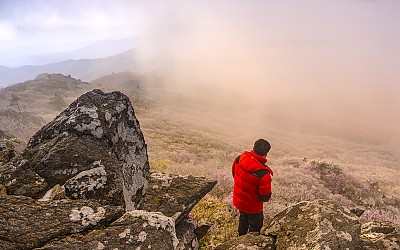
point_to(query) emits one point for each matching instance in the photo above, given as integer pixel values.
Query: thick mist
(306, 67)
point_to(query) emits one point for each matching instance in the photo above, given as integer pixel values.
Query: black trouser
(250, 222)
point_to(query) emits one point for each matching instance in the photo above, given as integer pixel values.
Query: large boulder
(96, 148)
(319, 224)
(26, 223)
(134, 230)
(175, 195)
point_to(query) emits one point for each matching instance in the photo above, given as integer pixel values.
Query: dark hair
(261, 147)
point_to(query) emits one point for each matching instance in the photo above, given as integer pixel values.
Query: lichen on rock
(323, 224)
(96, 127)
(87, 215)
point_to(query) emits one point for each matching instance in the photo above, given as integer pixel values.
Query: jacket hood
(251, 162)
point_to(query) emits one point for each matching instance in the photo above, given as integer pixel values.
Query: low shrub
(221, 215)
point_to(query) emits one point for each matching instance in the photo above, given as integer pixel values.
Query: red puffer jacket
(252, 182)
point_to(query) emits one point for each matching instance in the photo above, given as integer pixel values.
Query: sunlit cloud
(7, 31)
(48, 22)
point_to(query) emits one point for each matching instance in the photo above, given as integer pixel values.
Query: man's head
(261, 147)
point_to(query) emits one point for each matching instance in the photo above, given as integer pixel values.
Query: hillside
(184, 136)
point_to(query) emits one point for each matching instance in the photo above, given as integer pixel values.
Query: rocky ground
(83, 181)
(183, 138)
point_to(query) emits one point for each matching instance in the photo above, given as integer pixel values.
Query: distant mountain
(40, 54)
(99, 49)
(84, 69)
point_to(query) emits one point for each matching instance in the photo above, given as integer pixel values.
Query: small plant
(159, 165)
(326, 168)
(377, 215)
(221, 215)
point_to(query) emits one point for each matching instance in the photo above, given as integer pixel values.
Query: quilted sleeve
(264, 189)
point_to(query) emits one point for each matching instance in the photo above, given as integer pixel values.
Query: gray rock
(7, 151)
(134, 230)
(185, 232)
(319, 224)
(3, 190)
(19, 178)
(249, 242)
(358, 211)
(379, 235)
(97, 131)
(174, 195)
(26, 223)
(57, 193)
(202, 230)
(4, 135)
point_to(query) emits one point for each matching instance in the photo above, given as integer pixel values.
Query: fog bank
(326, 68)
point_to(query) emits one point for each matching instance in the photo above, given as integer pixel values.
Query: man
(252, 186)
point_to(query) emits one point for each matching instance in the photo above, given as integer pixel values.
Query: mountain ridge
(85, 69)
(99, 49)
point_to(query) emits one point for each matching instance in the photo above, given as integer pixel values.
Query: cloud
(7, 31)
(50, 22)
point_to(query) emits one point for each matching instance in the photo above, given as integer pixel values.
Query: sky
(343, 54)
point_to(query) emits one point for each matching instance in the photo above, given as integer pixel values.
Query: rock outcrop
(27, 223)
(379, 235)
(175, 196)
(318, 224)
(134, 230)
(249, 242)
(7, 151)
(89, 167)
(19, 178)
